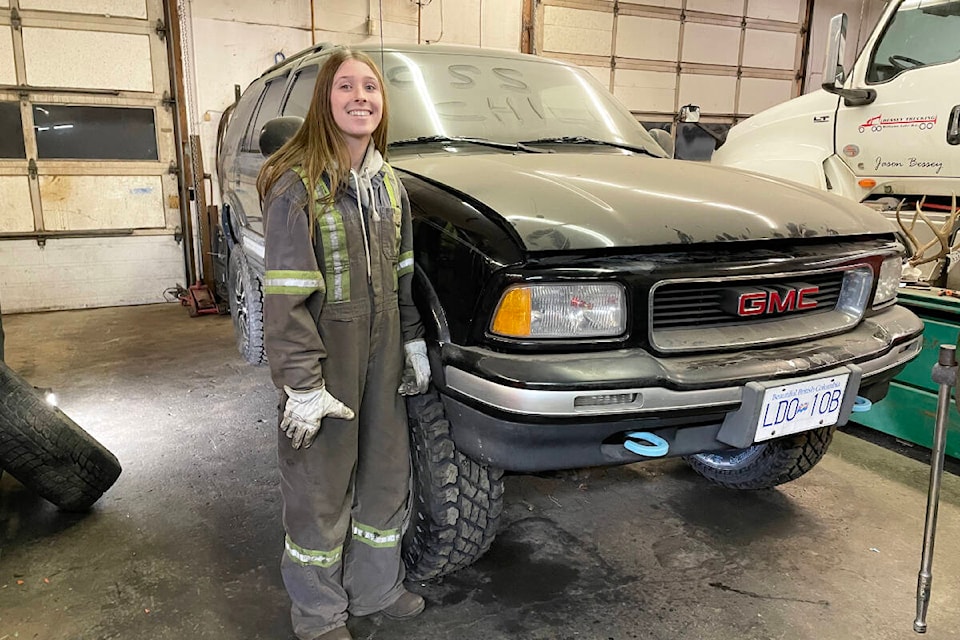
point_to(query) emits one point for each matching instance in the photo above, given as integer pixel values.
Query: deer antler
(941, 233)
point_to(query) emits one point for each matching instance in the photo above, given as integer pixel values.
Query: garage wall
(232, 42)
(88, 207)
(862, 17)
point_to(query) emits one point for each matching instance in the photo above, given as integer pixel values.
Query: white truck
(885, 133)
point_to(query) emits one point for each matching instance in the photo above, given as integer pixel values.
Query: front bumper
(531, 413)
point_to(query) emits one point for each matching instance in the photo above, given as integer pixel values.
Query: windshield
(504, 99)
(921, 33)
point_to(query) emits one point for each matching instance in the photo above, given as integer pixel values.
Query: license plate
(801, 406)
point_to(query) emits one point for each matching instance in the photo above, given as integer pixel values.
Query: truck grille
(689, 314)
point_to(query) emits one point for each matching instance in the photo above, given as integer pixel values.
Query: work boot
(406, 606)
(340, 633)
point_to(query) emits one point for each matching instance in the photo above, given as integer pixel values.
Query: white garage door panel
(783, 10)
(727, 7)
(73, 273)
(648, 38)
(668, 4)
(770, 49)
(645, 90)
(757, 94)
(98, 59)
(124, 8)
(713, 93)
(16, 213)
(577, 31)
(711, 44)
(72, 203)
(8, 74)
(733, 58)
(602, 74)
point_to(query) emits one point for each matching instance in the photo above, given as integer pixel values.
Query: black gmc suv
(588, 300)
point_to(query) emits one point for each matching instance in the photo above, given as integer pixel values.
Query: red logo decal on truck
(758, 303)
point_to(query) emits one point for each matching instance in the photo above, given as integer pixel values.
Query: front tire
(455, 502)
(766, 465)
(246, 308)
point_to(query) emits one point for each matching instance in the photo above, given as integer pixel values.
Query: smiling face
(356, 101)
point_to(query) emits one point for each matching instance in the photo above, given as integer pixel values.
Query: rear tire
(246, 308)
(455, 502)
(764, 465)
(47, 451)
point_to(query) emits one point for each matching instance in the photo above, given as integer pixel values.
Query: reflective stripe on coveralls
(293, 282)
(374, 538)
(333, 236)
(312, 556)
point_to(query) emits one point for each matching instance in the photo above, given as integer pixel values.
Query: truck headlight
(889, 281)
(561, 311)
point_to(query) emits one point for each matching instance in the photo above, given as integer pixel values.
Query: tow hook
(646, 444)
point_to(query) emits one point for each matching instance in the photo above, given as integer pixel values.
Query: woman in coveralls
(345, 343)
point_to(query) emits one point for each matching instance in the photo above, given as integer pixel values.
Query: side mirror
(276, 132)
(689, 113)
(664, 139)
(834, 75)
(833, 71)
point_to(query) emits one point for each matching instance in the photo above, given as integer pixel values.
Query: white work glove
(304, 411)
(416, 374)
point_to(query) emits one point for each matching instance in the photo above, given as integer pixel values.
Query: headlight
(561, 311)
(889, 281)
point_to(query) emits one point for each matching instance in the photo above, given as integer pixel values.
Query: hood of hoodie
(360, 185)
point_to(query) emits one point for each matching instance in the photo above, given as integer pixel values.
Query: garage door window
(94, 133)
(11, 131)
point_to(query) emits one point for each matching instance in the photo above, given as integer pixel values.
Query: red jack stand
(198, 300)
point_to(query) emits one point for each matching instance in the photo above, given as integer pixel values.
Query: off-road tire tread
(456, 502)
(252, 348)
(48, 452)
(780, 461)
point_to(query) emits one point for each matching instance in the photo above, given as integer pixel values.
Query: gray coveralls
(345, 497)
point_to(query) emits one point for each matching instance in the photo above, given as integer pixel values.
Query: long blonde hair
(318, 145)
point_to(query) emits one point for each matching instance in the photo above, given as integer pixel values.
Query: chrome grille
(680, 305)
(715, 314)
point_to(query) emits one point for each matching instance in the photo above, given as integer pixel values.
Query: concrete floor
(187, 543)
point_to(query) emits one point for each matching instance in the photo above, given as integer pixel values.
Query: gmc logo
(778, 299)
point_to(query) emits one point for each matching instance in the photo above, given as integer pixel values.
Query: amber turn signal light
(513, 314)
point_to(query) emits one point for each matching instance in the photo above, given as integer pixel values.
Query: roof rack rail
(320, 46)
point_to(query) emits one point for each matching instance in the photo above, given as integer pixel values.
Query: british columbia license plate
(801, 406)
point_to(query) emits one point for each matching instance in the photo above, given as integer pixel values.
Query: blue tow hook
(861, 404)
(650, 445)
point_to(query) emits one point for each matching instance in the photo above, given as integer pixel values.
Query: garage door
(733, 58)
(88, 206)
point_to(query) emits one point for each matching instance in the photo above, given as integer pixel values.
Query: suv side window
(302, 92)
(266, 109)
(920, 34)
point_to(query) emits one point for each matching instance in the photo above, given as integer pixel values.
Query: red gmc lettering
(752, 304)
(761, 302)
(785, 303)
(807, 304)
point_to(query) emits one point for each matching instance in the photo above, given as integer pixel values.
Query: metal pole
(944, 374)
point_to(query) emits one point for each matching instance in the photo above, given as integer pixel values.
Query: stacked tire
(48, 452)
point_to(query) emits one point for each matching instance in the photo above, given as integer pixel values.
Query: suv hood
(575, 201)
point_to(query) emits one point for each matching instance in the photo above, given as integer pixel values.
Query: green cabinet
(909, 411)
